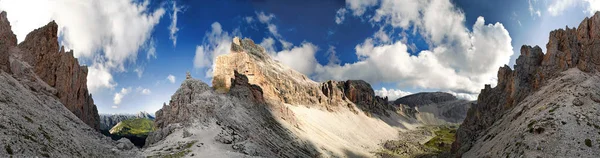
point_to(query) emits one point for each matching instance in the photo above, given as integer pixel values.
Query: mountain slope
(34, 120)
(260, 107)
(53, 65)
(435, 108)
(563, 80)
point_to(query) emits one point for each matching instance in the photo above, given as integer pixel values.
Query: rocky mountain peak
(40, 52)
(280, 83)
(566, 49)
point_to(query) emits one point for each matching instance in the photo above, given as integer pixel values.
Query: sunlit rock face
(569, 48)
(283, 84)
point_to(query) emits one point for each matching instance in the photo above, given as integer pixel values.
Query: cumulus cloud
(340, 15)
(559, 6)
(101, 78)
(459, 59)
(173, 27)
(119, 95)
(359, 7)
(301, 59)
(392, 94)
(216, 42)
(171, 78)
(108, 32)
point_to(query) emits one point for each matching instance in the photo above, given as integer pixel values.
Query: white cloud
(340, 15)
(264, 18)
(99, 77)
(593, 7)
(269, 45)
(249, 19)
(465, 96)
(144, 91)
(173, 27)
(139, 71)
(216, 42)
(360, 6)
(459, 60)
(151, 53)
(171, 78)
(112, 31)
(532, 10)
(332, 55)
(119, 95)
(115, 107)
(558, 6)
(301, 59)
(285, 44)
(392, 94)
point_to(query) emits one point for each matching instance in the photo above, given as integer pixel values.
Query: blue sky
(400, 47)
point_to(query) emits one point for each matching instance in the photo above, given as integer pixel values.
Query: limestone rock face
(53, 65)
(280, 83)
(567, 48)
(7, 41)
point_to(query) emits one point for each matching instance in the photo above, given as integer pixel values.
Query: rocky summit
(282, 84)
(540, 103)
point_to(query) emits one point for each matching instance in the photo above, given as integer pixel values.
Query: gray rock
(125, 144)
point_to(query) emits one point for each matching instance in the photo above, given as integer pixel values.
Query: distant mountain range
(107, 121)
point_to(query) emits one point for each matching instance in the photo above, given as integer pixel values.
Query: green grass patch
(444, 136)
(134, 127)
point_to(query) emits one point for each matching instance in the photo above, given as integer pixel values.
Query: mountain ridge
(567, 49)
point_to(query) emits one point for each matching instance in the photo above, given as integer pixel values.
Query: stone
(577, 102)
(8, 40)
(124, 144)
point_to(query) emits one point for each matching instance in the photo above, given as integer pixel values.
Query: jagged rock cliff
(35, 122)
(282, 84)
(52, 64)
(539, 81)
